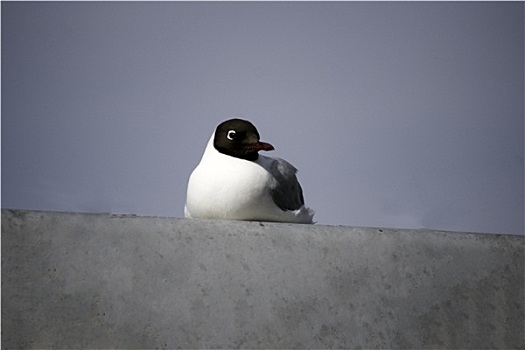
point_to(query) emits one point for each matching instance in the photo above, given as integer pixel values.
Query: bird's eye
(231, 135)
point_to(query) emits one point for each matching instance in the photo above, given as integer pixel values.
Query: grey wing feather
(286, 191)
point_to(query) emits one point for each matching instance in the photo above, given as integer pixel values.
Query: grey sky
(396, 114)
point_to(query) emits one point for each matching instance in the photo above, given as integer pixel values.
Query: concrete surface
(105, 281)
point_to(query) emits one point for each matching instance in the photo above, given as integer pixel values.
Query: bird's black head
(239, 138)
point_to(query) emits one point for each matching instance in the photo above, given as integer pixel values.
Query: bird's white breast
(222, 186)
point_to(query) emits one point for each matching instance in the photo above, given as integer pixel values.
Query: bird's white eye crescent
(231, 135)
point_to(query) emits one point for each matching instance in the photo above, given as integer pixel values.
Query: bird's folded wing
(286, 191)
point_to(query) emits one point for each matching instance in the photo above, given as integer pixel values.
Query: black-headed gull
(234, 182)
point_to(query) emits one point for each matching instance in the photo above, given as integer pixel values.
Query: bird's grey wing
(286, 191)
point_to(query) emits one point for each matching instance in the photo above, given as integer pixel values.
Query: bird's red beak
(262, 146)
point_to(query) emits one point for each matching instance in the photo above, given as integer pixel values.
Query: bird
(234, 182)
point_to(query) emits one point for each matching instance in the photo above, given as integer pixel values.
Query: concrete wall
(106, 281)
